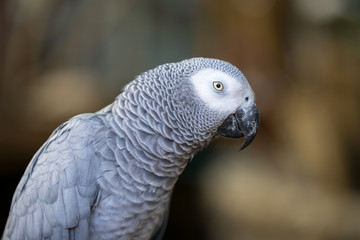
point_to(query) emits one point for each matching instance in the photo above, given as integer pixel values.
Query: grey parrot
(110, 174)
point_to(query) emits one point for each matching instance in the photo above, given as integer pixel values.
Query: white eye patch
(226, 98)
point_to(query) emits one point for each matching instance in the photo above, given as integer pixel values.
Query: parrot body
(110, 174)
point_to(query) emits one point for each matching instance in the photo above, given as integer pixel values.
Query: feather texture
(110, 175)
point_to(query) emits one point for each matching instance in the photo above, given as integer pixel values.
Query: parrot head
(226, 91)
(201, 98)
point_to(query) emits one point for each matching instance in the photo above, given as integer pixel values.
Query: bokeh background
(300, 177)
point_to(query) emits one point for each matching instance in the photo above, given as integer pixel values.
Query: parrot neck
(160, 146)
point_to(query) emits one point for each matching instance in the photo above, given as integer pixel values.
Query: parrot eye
(218, 86)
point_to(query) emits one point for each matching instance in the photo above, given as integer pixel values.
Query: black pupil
(246, 99)
(218, 85)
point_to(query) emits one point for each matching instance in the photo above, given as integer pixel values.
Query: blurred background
(299, 179)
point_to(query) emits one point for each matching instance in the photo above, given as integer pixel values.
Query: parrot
(111, 174)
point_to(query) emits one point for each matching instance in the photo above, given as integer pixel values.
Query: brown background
(300, 177)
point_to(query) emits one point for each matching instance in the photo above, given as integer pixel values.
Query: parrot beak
(243, 123)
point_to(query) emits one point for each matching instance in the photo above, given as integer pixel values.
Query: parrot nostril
(246, 99)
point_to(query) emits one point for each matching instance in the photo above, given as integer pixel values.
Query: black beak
(244, 122)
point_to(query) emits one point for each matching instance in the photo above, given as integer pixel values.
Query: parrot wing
(62, 171)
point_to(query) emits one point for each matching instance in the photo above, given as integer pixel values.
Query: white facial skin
(233, 94)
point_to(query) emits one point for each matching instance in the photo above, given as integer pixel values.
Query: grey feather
(110, 174)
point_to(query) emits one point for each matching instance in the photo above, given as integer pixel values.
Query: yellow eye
(218, 86)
